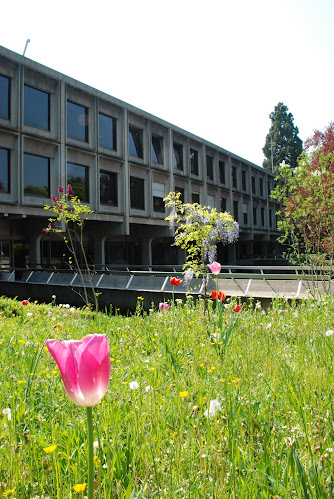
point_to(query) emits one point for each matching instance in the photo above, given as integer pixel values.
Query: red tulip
(236, 308)
(174, 281)
(221, 295)
(25, 302)
(84, 367)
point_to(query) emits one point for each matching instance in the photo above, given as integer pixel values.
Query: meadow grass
(268, 432)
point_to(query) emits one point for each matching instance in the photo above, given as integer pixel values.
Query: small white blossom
(148, 388)
(330, 332)
(7, 412)
(96, 444)
(214, 407)
(133, 385)
(29, 314)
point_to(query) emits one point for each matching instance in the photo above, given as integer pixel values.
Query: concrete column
(146, 251)
(126, 176)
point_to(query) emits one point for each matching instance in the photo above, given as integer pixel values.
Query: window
(234, 177)
(195, 197)
(269, 188)
(4, 171)
(254, 215)
(181, 191)
(107, 132)
(209, 167)
(245, 214)
(222, 205)
(36, 108)
(178, 156)
(36, 176)
(222, 172)
(193, 157)
(136, 142)
(262, 217)
(270, 216)
(261, 187)
(235, 210)
(108, 188)
(243, 180)
(78, 177)
(137, 194)
(211, 201)
(77, 122)
(4, 97)
(253, 184)
(158, 191)
(157, 156)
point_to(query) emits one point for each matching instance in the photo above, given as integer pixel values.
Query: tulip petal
(93, 378)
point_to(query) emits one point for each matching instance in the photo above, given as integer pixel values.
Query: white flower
(133, 385)
(148, 388)
(29, 314)
(53, 297)
(214, 407)
(96, 444)
(330, 332)
(7, 412)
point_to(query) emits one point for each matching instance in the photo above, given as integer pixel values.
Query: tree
(282, 141)
(307, 214)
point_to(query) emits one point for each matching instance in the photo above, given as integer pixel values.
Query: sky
(216, 68)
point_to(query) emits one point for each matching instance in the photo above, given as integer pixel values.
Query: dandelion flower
(7, 412)
(133, 385)
(183, 394)
(79, 487)
(330, 332)
(214, 407)
(50, 449)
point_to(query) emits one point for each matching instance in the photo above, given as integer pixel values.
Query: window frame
(26, 111)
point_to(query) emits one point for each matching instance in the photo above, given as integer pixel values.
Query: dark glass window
(36, 108)
(209, 167)
(243, 180)
(157, 156)
(193, 156)
(235, 210)
(108, 188)
(107, 132)
(195, 197)
(234, 177)
(245, 214)
(36, 177)
(4, 97)
(136, 142)
(262, 217)
(253, 184)
(222, 172)
(222, 205)
(178, 156)
(4, 171)
(137, 194)
(269, 188)
(181, 191)
(261, 186)
(254, 215)
(158, 191)
(77, 122)
(78, 177)
(270, 218)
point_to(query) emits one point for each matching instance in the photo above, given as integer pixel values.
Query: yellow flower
(140, 298)
(50, 449)
(79, 487)
(235, 380)
(118, 361)
(59, 327)
(21, 341)
(9, 493)
(201, 365)
(54, 372)
(20, 382)
(112, 360)
(191, 322)
(151, 368)
(222, 380)
(46, 348)
(209, 371)
(204, 399)
(97, 460)
(183, 394)
(153, 339)
(213, 368)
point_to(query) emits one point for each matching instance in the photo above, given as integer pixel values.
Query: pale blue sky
(216, 68)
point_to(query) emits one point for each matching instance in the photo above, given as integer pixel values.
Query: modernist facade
(121, 161)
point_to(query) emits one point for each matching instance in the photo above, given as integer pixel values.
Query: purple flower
(164, 307)
(69, 190)
(60, 189)
(54, 199)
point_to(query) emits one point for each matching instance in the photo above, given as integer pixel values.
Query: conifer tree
(282, 141)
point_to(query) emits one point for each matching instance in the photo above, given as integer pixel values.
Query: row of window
(37, 105)
(254, 183)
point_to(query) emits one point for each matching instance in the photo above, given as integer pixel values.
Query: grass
(273, 435)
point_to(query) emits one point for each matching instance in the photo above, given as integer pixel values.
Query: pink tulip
(215, 268)
(84, 367)
(164, 306)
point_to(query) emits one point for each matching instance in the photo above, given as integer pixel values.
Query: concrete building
(121, 161)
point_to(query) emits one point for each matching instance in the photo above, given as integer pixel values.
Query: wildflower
(235, 380)
(214, 407)
(183, 394)
(164, 306)
(80, 487)
(9, 493)
(54, 199)
(188, 275)
(174, 281)
(140, 298)
(96, 444)
(7, 412)
(50, 449)
(25, 302)
(29, 314)
(330, 332)
(148, 388)
(215, 268)
(84, 367)
(236, 308)
(69, 190)
(53, 297)
(60, 189)
(133, 385)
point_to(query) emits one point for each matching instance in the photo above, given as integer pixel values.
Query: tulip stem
(90, 488)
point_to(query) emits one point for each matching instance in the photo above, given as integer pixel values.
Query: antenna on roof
(25, 48)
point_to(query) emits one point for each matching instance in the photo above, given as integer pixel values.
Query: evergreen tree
(282, 141)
